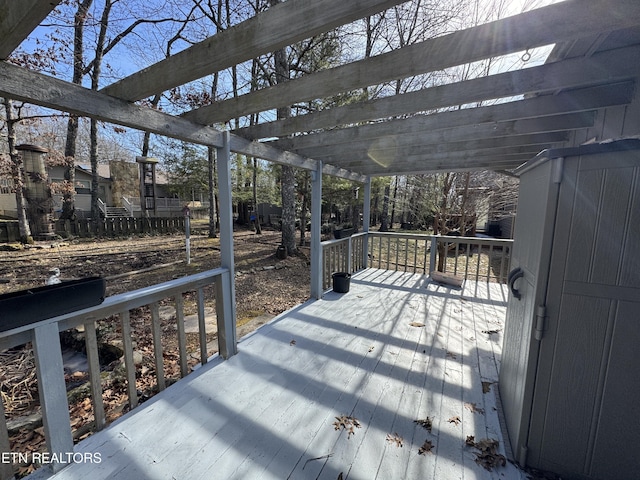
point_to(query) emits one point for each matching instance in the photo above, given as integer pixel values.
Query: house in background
(118, 192)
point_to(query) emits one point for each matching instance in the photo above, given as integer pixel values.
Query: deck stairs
(112, 212)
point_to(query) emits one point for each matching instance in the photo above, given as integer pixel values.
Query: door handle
(514, 275)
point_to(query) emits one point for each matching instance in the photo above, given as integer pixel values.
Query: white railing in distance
(475, 258)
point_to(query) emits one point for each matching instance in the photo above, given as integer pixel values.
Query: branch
(123, 34)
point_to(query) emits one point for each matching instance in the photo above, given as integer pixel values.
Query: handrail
(344, 255)
(102, 206)
(48, 354)
(128, 206)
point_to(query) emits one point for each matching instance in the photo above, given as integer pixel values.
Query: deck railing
(45, 340)
(130, 207)
(480, 259)
(343, 255)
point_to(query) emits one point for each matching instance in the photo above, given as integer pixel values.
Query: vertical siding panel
(578, 352)
(630, 260)
(613, 201)
(631, 126)
(583, 226)
(620, 410)
(614, 122)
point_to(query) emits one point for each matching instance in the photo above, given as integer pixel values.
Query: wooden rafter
(18, 18)
(418, 129)
(279, 26)
(21, 84)
(548, 25)
(451, 164)
(346, 155)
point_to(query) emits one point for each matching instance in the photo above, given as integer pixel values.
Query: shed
(568, 380)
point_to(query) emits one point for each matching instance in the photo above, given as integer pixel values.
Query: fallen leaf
(451, 355)
(427, 423)
(371, 348)
(488, 456)
(455, 420)
(473, 408)
(292, 342)
(395, 438)
(491, 332)
(426, 447)
(416, 324)
(346, 423)
(470, 441)
(486, 387)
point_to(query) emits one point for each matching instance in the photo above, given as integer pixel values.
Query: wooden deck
(270, 411)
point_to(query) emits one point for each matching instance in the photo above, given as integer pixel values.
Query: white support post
(52, 390)
(226, 343)
(433, 258)
(366, 218)
(316, 227)
(227, 293)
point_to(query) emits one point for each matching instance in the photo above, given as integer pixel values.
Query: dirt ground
(265, 287)
(136, 262)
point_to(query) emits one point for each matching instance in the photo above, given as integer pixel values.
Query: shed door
(531, 250)
(586, 414)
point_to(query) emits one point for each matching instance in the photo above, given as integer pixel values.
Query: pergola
(594, 66)
(585, 92)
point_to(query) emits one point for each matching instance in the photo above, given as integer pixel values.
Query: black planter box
(341, 282)
(36, 304)
(339, 233)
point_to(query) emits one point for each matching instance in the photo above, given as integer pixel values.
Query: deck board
(269, 412)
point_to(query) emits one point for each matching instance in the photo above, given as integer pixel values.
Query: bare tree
(68, 191)
(287, 175)
(17, 173)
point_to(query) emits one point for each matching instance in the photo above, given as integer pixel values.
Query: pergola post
(225, 288)
(316, 224)
(366, 218)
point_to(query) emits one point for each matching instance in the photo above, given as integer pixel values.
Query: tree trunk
(304, 207)
(93, 138)
(212, 192)
(69, 191)
(93, 157)
(288, 178)
(288, 191)
(384, 221)
(255, 197)
(17, 174)
(393, 205)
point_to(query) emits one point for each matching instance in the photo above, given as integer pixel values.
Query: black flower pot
(341, 282)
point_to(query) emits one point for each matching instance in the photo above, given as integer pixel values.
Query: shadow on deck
(394, 350)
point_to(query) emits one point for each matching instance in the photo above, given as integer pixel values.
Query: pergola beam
(24, 85)
(32, 87)
(462, 163)
(281, 25)
(393, 160)
(555, 23)
(414, 145)
(18, 18)
(419, 127)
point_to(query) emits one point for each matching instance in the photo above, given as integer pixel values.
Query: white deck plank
(268, 412)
